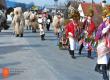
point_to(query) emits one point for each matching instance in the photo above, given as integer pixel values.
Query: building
(84, 10)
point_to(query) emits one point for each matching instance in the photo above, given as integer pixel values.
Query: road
(29, 58)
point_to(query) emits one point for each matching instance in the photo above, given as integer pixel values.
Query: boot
(17, 35)
(21, 35)
(80, 49)
(58, 35)
(89, 54)
(72, 54)
(97, 68)
(33, 30)
(104, 72)
(27, 27)
(47, 27)
(43, 37)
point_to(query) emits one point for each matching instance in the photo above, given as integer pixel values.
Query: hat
(90, 13)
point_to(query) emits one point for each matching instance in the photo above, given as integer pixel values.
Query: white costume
(26, 17)
(41, 27)
(18, 22)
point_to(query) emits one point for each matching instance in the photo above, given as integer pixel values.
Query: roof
(96, 7)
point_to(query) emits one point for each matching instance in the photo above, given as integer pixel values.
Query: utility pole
(56, 4)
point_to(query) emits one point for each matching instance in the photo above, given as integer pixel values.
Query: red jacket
(91, 28)
(70, 27)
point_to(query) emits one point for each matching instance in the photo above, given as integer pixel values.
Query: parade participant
(103, 48)
(49, 21)
(71, 28)
(18, 22)
(22, 24)
(27, 21)
(12, 15)
(41, 27)
(3, 20)
(44, 17)
(56, 24)
(87, 32)
(33, 21)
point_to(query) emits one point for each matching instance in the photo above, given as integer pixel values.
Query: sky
(50, 2)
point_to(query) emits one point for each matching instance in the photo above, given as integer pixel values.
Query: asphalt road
(29, 58)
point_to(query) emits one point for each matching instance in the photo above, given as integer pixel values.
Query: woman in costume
(103, 48)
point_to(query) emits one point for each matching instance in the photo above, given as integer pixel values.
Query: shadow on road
(51, 39)
(14, 48)
(6, 33)
(9, 64)
(9, 49)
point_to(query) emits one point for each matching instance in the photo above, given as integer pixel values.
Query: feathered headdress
(74, 14)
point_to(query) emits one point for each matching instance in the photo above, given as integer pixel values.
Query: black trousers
(48, 26)
(104, 72)
(80, 49)
(108, 65)
(89, 53)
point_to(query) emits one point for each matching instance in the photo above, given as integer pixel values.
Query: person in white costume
(41, 27)
(18, 22)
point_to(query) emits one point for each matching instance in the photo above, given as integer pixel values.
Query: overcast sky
(49, 2)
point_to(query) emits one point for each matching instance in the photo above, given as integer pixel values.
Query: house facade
(85, 7)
